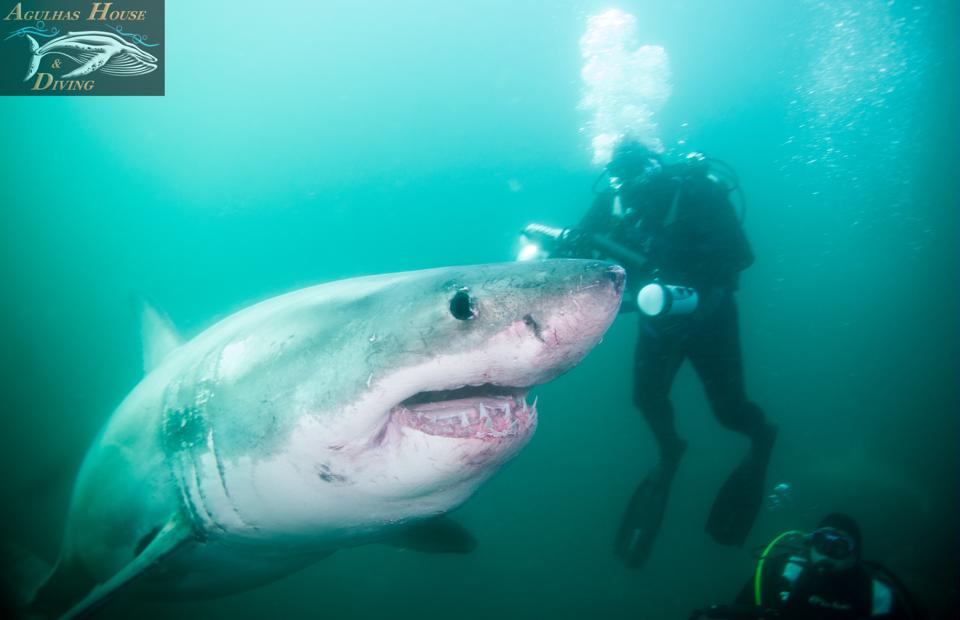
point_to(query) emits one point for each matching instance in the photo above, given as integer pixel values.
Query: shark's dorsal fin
(158, 335)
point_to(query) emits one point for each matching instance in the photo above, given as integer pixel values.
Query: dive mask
(832, 543)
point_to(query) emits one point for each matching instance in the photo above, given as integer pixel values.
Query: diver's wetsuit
(682, 222)
(795, 589)
(687, 228)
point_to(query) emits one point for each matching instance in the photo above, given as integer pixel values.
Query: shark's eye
(462, 307)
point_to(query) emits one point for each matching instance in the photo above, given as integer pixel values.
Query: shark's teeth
(490, 418)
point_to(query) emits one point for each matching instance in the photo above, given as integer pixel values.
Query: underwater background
(302, 142)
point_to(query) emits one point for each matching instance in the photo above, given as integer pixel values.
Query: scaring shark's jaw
(488, 413)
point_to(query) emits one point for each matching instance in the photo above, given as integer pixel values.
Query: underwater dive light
(529, 250)
(538, 241)
(657, 299)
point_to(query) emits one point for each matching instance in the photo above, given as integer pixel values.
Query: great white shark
(336, 415)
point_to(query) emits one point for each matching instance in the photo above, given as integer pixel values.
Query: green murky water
(302, 142)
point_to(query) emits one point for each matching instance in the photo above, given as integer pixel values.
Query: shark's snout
(556, 312)
(582, 311)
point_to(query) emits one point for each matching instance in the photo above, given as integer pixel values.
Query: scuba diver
(823, 579)
(675, 230)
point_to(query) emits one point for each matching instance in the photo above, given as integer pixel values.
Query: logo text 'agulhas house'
(101, 39)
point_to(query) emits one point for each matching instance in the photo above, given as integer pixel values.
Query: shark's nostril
(530, 322)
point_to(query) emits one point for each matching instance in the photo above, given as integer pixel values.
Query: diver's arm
(722, 240)
(905, 605)
(738, 249)
(633, 261)
(591, 238)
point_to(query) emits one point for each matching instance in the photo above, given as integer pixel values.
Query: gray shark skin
(325, 418)
(93, 51)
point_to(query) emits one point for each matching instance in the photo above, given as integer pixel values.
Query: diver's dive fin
(438, 535)
(167, 540)
(741, 496)
(641, 521)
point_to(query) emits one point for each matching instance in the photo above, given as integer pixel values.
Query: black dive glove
(560, 242)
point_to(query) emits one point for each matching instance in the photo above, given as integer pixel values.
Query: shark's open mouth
(481, 412)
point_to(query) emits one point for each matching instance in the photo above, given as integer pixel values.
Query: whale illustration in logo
(93, 51)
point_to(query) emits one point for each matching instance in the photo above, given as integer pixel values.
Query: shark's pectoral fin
(22, 573)
(159, 336)
(65, 583)
(437, 535)
(158, 545)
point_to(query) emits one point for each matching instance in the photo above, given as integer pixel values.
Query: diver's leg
(715, 354)
(658, 358)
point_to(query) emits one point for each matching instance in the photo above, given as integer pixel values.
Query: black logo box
(129, 41)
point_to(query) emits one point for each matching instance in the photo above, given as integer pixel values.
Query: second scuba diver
(822, 578)
(675, 230)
